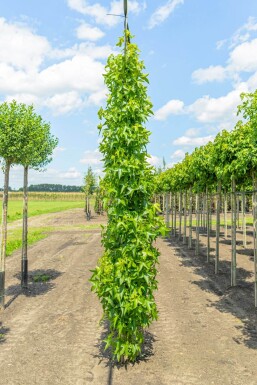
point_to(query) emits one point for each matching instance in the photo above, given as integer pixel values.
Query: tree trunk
(167, 219)
(175, 214)
(185, 219)
(172, 213)
(254, 236)
(225, 214)
(208, 223)
(24, 256)
(197, 211)
(190, 218)
(4, 235)
(217, 254)
(180, 215)
(244, 220)
(233, 232)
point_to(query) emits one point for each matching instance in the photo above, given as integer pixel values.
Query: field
(205, 334)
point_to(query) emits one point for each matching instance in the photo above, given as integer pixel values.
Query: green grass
(14, 238)
(39, 207)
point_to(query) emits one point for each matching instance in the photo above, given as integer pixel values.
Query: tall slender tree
(125, 277)
(37, 147)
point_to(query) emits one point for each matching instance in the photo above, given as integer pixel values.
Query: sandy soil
(206, 333)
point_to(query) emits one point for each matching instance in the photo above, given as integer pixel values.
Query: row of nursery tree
(45, 187)
(225, 166)
(25, 139)
(231, 156)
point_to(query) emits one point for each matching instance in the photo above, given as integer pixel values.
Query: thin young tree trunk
(208, 223)
(190, 218)
(185, 219)
(4, 235)
(180, 215)
(167, 219)
(172, 214)
(175, 214)
(197, 211)
(24, 255)
(244, 220)
(255, 236)
(225, 214)
(233, 232)
(237, 211)
(217, 254)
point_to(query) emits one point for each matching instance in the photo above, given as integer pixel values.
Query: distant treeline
(52, 188)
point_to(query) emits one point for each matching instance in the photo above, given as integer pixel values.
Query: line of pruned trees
(211, 174)
(25, 139)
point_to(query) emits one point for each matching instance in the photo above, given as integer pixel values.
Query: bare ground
(206, 333)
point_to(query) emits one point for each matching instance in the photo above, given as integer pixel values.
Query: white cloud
(72, 173)
(99, 13)
(91, 158)
(173, 107)
(241, 35)
(192, 132)
(75, 80)
(207, 109)
(154, 160)
(179, 154)
(243, 57)
(163, 12)
(21, 48)
(88, 32)
(210, 74)
(188, 141)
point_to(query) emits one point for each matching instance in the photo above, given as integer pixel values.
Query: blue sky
(200, 55)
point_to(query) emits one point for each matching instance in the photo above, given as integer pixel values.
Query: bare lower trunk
(197, 211)
(24, 256)
(217, 254)
(208, 224)
(190, 218)
(4, 235)
(254, 236)
(233, 240)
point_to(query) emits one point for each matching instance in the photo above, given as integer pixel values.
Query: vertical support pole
(254, 236)
(190, 218)
(244, 220)
(185, 219)
(180, 215)
(4, 235)
(172, 213)
(24, 256)
(175, 214)
(217, 253)
(237, 211)
(226, 214)
(233, 230)
(208, 224)
(197, 211)
(167, 219)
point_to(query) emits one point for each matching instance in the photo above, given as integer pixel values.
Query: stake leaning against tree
(125, 277)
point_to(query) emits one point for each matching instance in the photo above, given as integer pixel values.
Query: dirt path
(51, 335)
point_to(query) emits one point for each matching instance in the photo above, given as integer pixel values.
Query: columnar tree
(125, 277)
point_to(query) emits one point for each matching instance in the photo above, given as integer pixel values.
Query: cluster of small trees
(45, 187)
(25, 139)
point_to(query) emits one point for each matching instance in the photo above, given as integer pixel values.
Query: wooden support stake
(190, 218)
(197, 211)
(185, 219)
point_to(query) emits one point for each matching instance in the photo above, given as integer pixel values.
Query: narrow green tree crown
(125, 277)
(89, 182)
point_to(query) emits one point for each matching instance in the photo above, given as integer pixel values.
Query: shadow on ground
(238, 300)
(39, 283)
(3, 332)
(106, 355)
